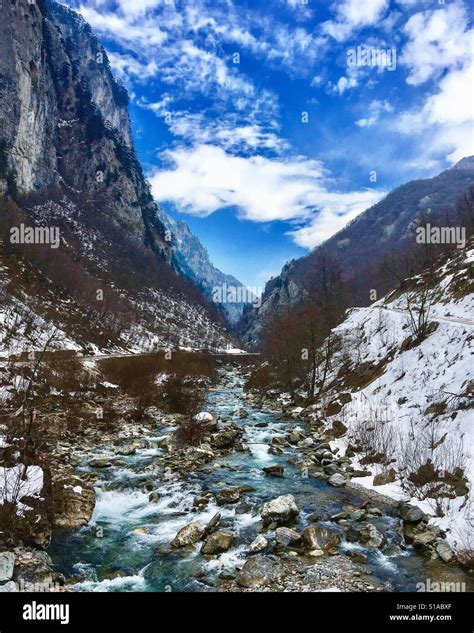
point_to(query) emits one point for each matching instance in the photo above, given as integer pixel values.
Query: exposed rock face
(67, 158)
(58, 77)
(281, 510)
(192, 260)
(73, 502)
(188, 535)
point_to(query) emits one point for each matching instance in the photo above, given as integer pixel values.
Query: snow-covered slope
(412, 398)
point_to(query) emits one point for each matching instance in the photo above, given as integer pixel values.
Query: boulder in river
(281, 510)
(214, 522)
(228, 495)
(337, 480)
(444, 551)
(258, 544)
(367, 535)
(204, 416)
(259, 571)
(274, 471)
(410, 514)
(286, 536)
(358, 557)
(371, 537)
(423, 539)
(125, 449)
(189, 534)
(73, 501)
(34, 567)
(225, 439)
(100, 462)
(316, 537)
(217, 542)
(7, 562)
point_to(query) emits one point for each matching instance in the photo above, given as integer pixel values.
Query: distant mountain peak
(465, 163)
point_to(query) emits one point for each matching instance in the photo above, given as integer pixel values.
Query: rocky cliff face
(362, 245)
(67, 161)
(192, 260)
(61, 109)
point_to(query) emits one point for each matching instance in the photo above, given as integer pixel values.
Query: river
(126, 545)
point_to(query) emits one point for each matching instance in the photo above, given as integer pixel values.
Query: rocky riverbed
(263, 504)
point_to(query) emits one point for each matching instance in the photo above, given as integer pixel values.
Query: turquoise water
(126, 545)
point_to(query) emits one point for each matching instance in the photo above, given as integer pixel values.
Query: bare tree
(418, 306)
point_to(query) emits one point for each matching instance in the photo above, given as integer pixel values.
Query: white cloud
(345, 83)
(337, 210)
(447, 117)
(440, 42)
(353, 15)
(453, 104)
(138, 7)
(158, 41)
(195, 128)
(437, 40)
(205, 178)
(375, 109)
(141, 33)
(301, 7)
(127, 67)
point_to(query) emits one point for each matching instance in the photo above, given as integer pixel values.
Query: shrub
(190, 432)
(374, 436)
(433, 466)
(184, 396)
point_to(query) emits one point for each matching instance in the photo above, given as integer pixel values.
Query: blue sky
(269, 124)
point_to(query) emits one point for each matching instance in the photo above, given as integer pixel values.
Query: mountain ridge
(192, 259)
(67, 162)
(378, 232)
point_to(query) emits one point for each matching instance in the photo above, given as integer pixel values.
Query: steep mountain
(384, 229)
(405, 394)
(68, 166)
(191, 258)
